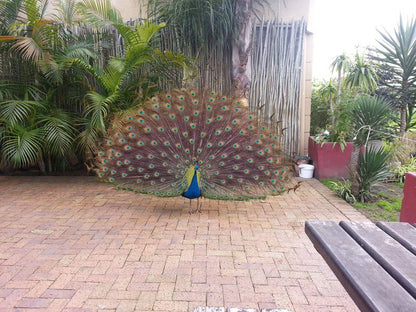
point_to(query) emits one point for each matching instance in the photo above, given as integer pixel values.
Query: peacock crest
(180, 139)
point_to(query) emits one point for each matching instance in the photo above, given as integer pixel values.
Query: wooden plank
(390, 254)
(402, 232)
(368, 284)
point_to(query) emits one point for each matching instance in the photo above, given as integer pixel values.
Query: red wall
(329, 160)
(408, 212)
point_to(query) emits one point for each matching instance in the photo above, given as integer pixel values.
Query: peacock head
(196, 167)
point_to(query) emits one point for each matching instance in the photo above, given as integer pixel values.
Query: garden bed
(385, 205)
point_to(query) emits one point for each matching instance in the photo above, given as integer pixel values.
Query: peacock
(184, 144)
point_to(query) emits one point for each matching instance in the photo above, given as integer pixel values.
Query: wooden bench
(376, 263)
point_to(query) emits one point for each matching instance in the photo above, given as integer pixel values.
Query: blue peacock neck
(193, 190)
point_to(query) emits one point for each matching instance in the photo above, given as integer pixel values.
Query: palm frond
(16, 111)
(22, 147)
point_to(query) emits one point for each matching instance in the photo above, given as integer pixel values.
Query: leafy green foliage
(57, 95)
(397, 52)
(373, 167)
(362, 75)
(370, 116)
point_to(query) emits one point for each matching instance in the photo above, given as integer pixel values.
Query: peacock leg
(198, 205)
(190, 207)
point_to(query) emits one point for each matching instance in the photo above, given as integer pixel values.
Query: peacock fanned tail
(155, 149)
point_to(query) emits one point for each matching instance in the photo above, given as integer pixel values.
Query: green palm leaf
(15, 111)
(58, 133)
(22, 147)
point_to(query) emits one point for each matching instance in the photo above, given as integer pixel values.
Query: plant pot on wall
(329, 159)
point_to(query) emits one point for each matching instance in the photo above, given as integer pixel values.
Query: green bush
(373, 167)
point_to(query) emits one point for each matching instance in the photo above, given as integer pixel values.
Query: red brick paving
(73, 244)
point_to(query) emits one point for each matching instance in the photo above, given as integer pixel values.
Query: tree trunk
(403, 121)
(339, 88)
(355, 183)
(242, 49)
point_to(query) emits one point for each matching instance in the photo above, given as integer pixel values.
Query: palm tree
(398, 51)
(370, 115)
(362, 75)
(124, 80)
(37, 126)
(327, 92)
(341, 64)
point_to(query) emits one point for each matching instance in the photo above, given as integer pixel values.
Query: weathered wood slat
(391, 255)
(403, 232)
(368, 284)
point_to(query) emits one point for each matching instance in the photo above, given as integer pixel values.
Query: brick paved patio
(74, 244)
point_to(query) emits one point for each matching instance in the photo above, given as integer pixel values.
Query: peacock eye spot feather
(221, 143)
(237, 157)
(196, 113)
(154, 143)
(124, 174)
(166, 144)
(209, 145)
(185, 134)
(242, 132)
(178, 145)
(203, 134)
(127, 162)
(209, 121)
(193, 126)
(199, 151)
(172, 116)
(110, 143)
(161, 129)
(181, 98)
(221, 163)
(168, 96)
(141, 112)
(186, 119)
(219, 118)
(192, 141)
(211, 100)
